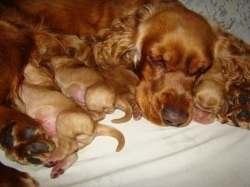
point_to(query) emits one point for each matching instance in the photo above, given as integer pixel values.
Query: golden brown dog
(156, 37)
(161, 58)
(210, 95)
(61, 118)
(171, 47)
(88, 88)
(170, 61)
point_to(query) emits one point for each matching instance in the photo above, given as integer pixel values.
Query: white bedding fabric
(198, 155)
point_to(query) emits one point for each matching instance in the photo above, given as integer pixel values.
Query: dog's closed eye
(198, 67)
(156, 60)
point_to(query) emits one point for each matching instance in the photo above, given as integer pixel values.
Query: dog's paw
(22, 138)
(238, 113)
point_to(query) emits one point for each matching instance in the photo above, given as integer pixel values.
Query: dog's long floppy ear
(117, 45)
(111, 46)
(133, 52)
(234, 54)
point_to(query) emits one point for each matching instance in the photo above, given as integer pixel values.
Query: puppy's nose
(173, 117)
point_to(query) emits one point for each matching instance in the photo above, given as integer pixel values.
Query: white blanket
(198, 155)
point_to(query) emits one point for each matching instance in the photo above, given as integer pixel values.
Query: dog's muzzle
(173, 117)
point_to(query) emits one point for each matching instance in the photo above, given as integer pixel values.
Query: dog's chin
(169, 123)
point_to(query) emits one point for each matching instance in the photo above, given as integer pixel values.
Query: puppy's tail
(104, 130)
(123, 105)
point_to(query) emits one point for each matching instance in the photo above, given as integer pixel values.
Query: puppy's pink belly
(50, 128)
(48, 119)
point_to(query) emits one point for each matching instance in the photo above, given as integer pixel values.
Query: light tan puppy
(66, 122)
(124, 81)
(88, 88)
(210, 95)
(78, 48)
(121, 78)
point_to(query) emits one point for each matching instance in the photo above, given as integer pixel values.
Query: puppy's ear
(224, 109)
(47, 64)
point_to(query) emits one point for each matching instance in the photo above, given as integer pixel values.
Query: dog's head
(170, 47)
(174, 46)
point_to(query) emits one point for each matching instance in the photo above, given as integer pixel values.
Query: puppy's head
(174, 46)
(210, 100)
(77, 48)
(101, 98)
(210, 95)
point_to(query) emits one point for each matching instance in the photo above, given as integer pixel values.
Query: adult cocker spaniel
(167, 45)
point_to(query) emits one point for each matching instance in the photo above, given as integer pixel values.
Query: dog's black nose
(173, 117)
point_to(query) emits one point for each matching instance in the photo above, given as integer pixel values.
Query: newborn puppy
(124, 81)
(210, 95)
(78, 48)
(71, 127)
(88, 88)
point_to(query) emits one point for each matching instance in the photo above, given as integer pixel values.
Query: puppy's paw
(137, 115)
(65, 149)
(22, 138)
(136, 111)
(63, 165)
(57, 173)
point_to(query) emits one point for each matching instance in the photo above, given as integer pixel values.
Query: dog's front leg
(23, 138)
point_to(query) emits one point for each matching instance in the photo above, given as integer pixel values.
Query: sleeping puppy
(223, 91)
(78, 48)
(124, 81)
(88, 88)
(210, 95)
(71, 127)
